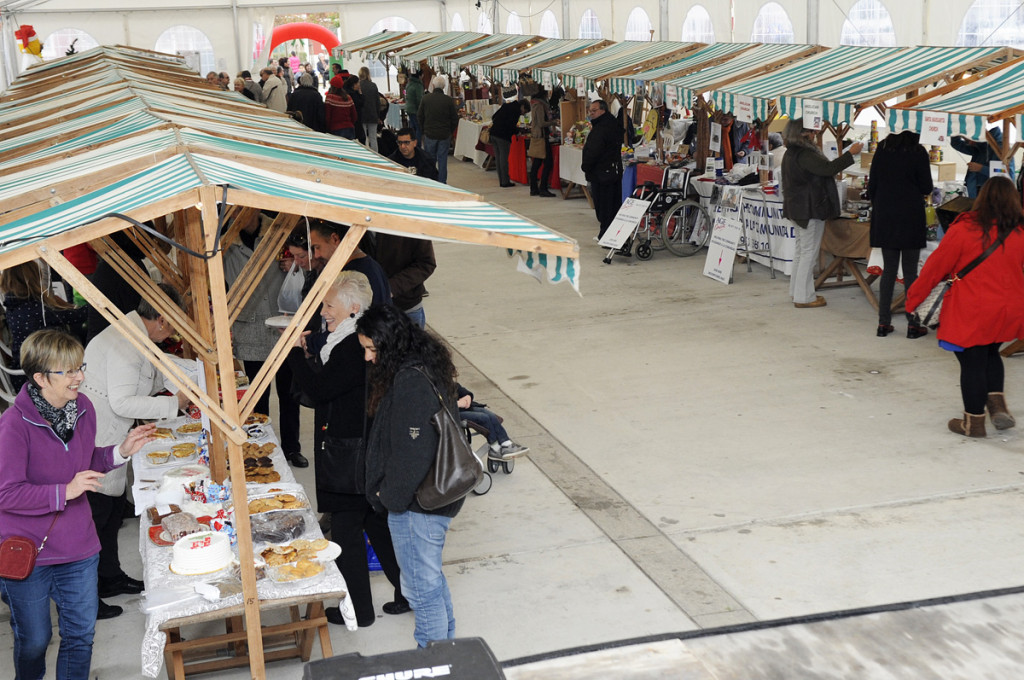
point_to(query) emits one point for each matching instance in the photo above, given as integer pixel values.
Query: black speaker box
(459, 659)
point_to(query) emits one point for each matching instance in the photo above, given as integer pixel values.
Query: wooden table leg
(234, 624)
(316, 612)
(174, 661)
(1013, 348)
(864, 284)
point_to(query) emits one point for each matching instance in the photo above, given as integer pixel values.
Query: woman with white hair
(810, 198)
(335, 379)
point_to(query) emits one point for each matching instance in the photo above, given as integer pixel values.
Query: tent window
(590, 27)
(992, 22)
(638, 25)
(514, 26)
(868, 24)
(59, 42)
(189, 42)
(398, 24)
(259, 41)
(483, 24)
(697, 26)
(549, 25)
(457, 24)
(772, 25)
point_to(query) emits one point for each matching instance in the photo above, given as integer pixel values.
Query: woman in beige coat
(540, 149)
(121, 383)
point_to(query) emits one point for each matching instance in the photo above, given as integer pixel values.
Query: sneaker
(512, 450)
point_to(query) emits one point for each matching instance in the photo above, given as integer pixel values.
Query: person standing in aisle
(602, 163)
(413, 97)
(440, 119)
(810, 198)
(540, 148)
(503, 127)
(370, 113)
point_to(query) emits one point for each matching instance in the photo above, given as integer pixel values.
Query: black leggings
(890, 263)
(981, 372)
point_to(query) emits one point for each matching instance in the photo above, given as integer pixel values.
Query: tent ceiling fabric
(146, 132)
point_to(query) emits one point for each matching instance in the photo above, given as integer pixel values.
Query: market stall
(162, 156)
(503, 68)
(591, 66)
(492, 47)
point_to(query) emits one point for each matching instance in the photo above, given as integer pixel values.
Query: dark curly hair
(998, 203)
(398, 341)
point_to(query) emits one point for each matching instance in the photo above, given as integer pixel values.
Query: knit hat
(338, 81)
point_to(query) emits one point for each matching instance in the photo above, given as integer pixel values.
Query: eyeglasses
(405, 142)
(73, 371)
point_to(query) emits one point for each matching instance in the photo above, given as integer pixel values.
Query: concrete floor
(702, 455)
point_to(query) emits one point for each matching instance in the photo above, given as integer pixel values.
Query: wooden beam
(214, 321)
(271, 242)
(914, 101)
(279, 354)
(137, 338)
(169, 270)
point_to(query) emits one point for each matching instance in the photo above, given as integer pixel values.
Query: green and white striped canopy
(508, 68)
(380, 39)
(595, 65)
(497, 45)
(989, 97)
(756, 60)
(432, 49)
(136, 148)
(845, 94)
(409, 41)
(694, 61)
(765, 88)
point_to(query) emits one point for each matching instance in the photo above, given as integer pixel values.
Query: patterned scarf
(62, 420)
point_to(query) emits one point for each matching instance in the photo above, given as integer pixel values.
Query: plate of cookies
(303, 572)
(277, 501)
(316, 550)
(257, 419)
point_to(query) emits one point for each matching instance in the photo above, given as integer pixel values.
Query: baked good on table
(180, 524)
(183, 450)
(277, 527)
(300, 570)
(190, 428)
(163, 433)
(257, 419)
(201, 553)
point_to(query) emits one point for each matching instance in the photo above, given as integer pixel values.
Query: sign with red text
(744, 109)
(725, 238)
(934, 128)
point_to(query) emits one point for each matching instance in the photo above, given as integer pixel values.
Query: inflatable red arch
(303, 30)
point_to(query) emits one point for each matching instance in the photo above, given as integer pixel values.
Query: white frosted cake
(202, 553)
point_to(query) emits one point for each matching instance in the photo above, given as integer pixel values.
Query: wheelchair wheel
(493, 465)
(508, 465)
(686, 228)
(484, 486)
(644, 251)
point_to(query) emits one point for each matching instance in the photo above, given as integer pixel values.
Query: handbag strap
(433, 386)
(43, 543)
(981, 258)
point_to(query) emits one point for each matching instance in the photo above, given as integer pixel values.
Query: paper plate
(278, 321)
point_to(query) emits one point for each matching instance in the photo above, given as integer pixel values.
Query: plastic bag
(290, 297)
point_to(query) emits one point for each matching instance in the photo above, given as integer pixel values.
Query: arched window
(188, 42)
(590, 27)
(59, 42)
(697, 26)
(483, 24)
(869, 24)
(638, 25)
(259, 41)
(514, 26)
(992, 22)
(772, 25)
(457, 24)
(549, 26)
(399, 24)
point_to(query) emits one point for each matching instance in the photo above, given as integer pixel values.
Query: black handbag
(927, 313)
(340, 464)
(456, 470)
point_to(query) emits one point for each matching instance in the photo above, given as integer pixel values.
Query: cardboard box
(865, 159)
(947, 171)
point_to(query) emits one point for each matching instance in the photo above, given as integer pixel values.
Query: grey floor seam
(680, 578)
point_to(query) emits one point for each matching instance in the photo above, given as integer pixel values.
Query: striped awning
(431, 50)
(380, 39)
(595, 65)
(508, 67)
(763, 89)
(757, 60)
(494, 46)
(627, 83)
(409, 40)
(144, 150)
(845, 94)
(973, 107)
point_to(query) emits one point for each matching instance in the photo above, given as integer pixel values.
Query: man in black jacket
(503, 127)
(307, 100)
(602, 163)
(409, 156)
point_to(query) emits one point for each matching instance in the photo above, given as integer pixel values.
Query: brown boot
(997, 411)
(972, 425)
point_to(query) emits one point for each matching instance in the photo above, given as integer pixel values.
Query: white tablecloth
(465, 142)
(570, 164)
(162, 583)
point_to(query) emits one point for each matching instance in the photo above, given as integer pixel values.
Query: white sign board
(744, 109)
(725, 238)
(813, 112)
(934, 128)
(997, 168)
(672, 96)
(716, 137)
(625, 222)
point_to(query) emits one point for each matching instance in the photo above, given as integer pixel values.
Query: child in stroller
(500, 446)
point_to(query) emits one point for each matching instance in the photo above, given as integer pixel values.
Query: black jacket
(602, 152)
(897, 185)
(403, 445)
(408, 262)
(421, 160)
(505, 120)
(809, 187)
(310, 103)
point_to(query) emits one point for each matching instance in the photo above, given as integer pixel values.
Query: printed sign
(934, 128)
(744, 109)
(813, 112)
(997, 168)
(725, 238)
(625, 222)
(672, 96)
(716, 137)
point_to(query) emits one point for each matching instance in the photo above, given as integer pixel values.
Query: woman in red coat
(340, 110)
(986, 307)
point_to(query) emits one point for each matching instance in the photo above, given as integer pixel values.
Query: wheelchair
(672, 222)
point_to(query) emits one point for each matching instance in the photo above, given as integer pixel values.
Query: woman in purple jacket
(48, 460)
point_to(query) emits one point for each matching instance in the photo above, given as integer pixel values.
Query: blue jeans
(414, 123)
(73, 587)
(438, 148)
(418, 316)
(419, 539)
(486, 419)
